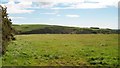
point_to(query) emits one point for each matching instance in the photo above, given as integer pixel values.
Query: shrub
(7, 30)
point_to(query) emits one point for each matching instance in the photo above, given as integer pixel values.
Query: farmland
(62, 50)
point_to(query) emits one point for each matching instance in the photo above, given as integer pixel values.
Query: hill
(55, 29)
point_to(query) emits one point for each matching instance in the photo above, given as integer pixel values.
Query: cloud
(96, 4)
(16, 17)
(77, 4)
(18, 8)
(49, 13)
(22, 5)
(58, 15)
(51, 19)
(73, 16)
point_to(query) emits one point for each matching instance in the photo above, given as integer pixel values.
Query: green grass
(62, 50)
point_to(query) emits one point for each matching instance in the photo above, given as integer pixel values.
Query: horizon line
(63, 25)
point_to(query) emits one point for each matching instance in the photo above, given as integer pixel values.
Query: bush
(7, 30)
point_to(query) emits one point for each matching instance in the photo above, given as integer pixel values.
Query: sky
(78, 13)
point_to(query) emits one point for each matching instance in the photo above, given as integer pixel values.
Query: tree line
(53, 29)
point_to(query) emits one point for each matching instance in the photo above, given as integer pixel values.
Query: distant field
(62, 50)
(24, 28)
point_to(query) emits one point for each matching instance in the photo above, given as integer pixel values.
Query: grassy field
(62, 50)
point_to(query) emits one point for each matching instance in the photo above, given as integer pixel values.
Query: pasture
(62, 50)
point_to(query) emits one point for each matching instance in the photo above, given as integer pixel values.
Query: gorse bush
(6, 29)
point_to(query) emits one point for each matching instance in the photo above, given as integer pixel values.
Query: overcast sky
(80, 13)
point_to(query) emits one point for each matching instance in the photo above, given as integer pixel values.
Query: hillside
(55, 29)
